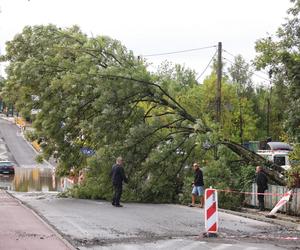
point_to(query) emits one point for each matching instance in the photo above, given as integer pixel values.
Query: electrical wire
(207, 65)
(228, 53)
(251, 71)
(263, 72)
(202, 48)
(180, 51)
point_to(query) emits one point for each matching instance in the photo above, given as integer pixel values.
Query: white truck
(277, 152)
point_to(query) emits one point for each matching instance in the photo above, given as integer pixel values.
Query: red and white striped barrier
(211, 211)
(285, 198)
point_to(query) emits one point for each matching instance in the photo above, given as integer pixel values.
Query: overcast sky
(156, 26)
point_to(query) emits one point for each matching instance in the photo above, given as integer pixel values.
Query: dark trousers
(261, 201)
(117, 194)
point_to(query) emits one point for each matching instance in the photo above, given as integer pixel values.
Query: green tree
(240, 74)
(92, 92)
(281, 56)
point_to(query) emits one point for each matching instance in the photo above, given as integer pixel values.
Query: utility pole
(268, 117)
(219, 81)
(269, 105)
(241, 114)
(269, 112)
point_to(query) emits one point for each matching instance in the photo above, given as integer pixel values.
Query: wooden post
(219, 81)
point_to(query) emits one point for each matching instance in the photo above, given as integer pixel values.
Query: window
(279, 160)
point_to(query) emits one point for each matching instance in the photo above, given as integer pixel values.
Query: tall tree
(241, 75)
(281, 56)
(85, 88)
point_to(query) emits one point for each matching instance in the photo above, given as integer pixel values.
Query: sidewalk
(22, 229)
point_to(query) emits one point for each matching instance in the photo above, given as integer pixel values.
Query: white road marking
(223, 246)
(167, 244)
(193, 245)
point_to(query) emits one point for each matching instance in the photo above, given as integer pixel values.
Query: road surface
(89, 224)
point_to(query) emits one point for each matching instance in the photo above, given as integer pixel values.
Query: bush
(90, 189)
(185, 197)
(228, 174)
(293, 174)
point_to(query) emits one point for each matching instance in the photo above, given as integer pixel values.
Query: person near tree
(118, 177)
(262, 186)
(198, 186)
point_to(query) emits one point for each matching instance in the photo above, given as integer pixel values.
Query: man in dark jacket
(118, 176)
(262, 185)
(198, 186)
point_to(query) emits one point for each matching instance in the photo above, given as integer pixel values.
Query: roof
(279, 146)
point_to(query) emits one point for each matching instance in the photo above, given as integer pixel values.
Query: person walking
(198, 186)
(262, 185)
(118, 176)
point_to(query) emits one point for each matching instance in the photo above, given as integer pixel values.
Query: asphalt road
(20, 151)
(89, 224)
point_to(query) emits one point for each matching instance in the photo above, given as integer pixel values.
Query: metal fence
(276, 192)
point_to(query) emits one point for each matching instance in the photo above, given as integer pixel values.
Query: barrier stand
(285, 198)
(211, 212)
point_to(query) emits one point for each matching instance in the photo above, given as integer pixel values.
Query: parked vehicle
(277, 152)
(7, 167)
(6, 181)
(278, 146)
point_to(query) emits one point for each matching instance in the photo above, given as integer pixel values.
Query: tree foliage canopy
(281, 57)
(91, 92)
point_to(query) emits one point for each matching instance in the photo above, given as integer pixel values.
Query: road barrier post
(285, 198)
(211, 212)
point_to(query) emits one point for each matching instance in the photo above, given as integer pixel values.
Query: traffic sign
(87, 151)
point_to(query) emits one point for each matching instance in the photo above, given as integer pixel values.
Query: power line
(228, 53)
(226, 59)
(263, 72)
(207, 65)
(251, 71)
(180, 51)
(268, 80)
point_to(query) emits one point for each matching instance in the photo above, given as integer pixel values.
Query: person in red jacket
(198, 186)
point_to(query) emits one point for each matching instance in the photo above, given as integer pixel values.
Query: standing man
(262, 185)
(198, 186)
(118, 176)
